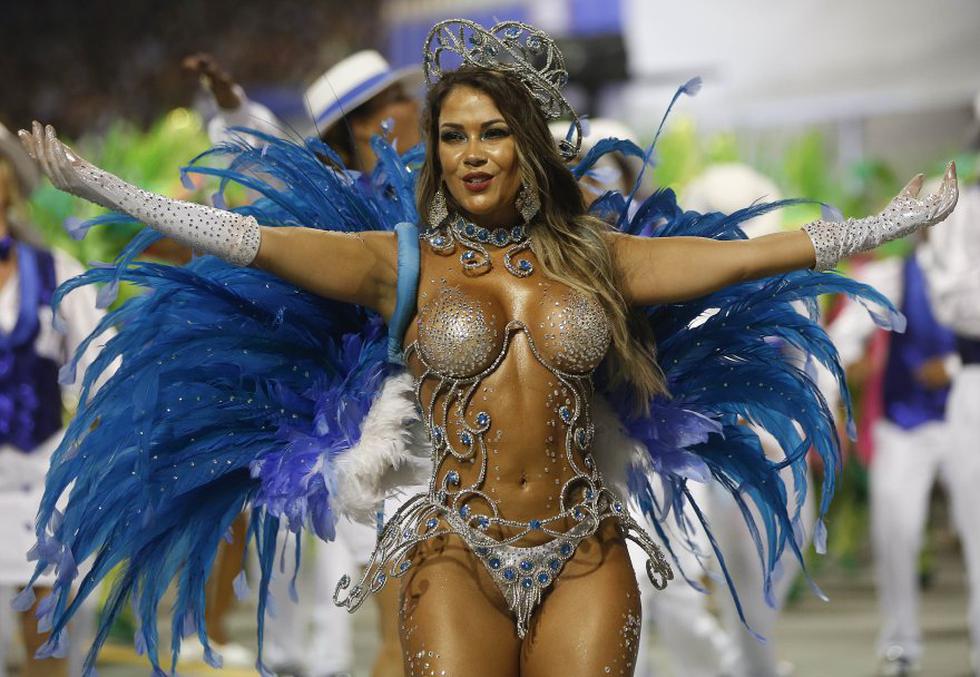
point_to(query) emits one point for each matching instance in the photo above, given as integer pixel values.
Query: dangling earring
(438, 209)
(528, 203)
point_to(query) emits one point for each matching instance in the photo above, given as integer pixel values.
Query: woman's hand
(226, 92)
(61, 164)
(905, 214)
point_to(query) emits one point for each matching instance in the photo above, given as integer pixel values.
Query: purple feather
(240, 586)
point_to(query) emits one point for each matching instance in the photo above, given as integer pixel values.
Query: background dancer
(913, 446)
(952, 266)
(353, 101)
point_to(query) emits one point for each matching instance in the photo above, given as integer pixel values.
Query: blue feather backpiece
(235, 391)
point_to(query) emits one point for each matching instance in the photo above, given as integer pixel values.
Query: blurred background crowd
(835, 101)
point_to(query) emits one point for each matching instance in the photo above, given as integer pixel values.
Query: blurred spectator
(31, 400)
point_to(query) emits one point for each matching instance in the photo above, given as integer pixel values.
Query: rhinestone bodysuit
(462, 341)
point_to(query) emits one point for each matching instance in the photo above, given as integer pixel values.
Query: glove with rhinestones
(232, 237)
(906, 213)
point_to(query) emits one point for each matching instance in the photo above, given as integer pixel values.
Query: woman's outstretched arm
(673, 269)
(356, 268)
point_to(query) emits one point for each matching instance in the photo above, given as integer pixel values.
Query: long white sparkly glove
(227, 235)
(906, 213)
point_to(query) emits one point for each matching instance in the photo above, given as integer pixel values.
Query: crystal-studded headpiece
(513, 47)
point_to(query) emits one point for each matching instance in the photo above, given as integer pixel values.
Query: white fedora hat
(24, 167)
(354, 81)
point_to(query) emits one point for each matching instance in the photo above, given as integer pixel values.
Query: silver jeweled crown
(513, 47)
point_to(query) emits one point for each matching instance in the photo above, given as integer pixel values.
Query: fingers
(913, 187)
(951, 189)
(192, 63)
(950, 171)
(56, 156)
(944, 199)
(27, 141)
(40, 144)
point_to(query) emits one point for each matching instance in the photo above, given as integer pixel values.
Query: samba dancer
(520, 296)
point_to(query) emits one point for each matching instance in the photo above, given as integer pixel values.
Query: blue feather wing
(227, 389)
(739, 355)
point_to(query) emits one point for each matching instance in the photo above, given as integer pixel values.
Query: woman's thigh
(454, 621)
(589, 622)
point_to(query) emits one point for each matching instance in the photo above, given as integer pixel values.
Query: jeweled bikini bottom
(521, 573)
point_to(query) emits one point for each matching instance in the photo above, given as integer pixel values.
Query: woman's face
(478, 155)
(403, 112)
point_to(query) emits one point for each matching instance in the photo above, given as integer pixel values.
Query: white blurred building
(888, 78)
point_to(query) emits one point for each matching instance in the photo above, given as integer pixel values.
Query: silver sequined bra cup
(459, 338)
(461, 341)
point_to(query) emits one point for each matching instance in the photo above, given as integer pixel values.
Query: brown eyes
(492, 134)
(449, 137)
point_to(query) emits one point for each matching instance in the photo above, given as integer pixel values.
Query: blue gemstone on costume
(381, 578)
(439, 241)
(589, 494)
(527, 583)
(495, 564)
(582, 438)
(544, 578)
(517, 233)
(618, 507)
(482, 522)
(469, 256)
(431, 524)
(509, 574)
(404, 566)
(407, 533)
(482, 419)
(483, 235)
(577, 513)
(524, 266)
(526, 565)
(534, 524)
(464, 511)
(565, 549)
(452, 477)
(500, 237)
(469, 229)
(554, 564)
(466, 438)
(437, 435)
(483, 551)
(565, 413)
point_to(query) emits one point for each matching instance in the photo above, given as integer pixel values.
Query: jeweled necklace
(473, 239)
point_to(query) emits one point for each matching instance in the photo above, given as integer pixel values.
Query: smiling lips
(477, 182)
